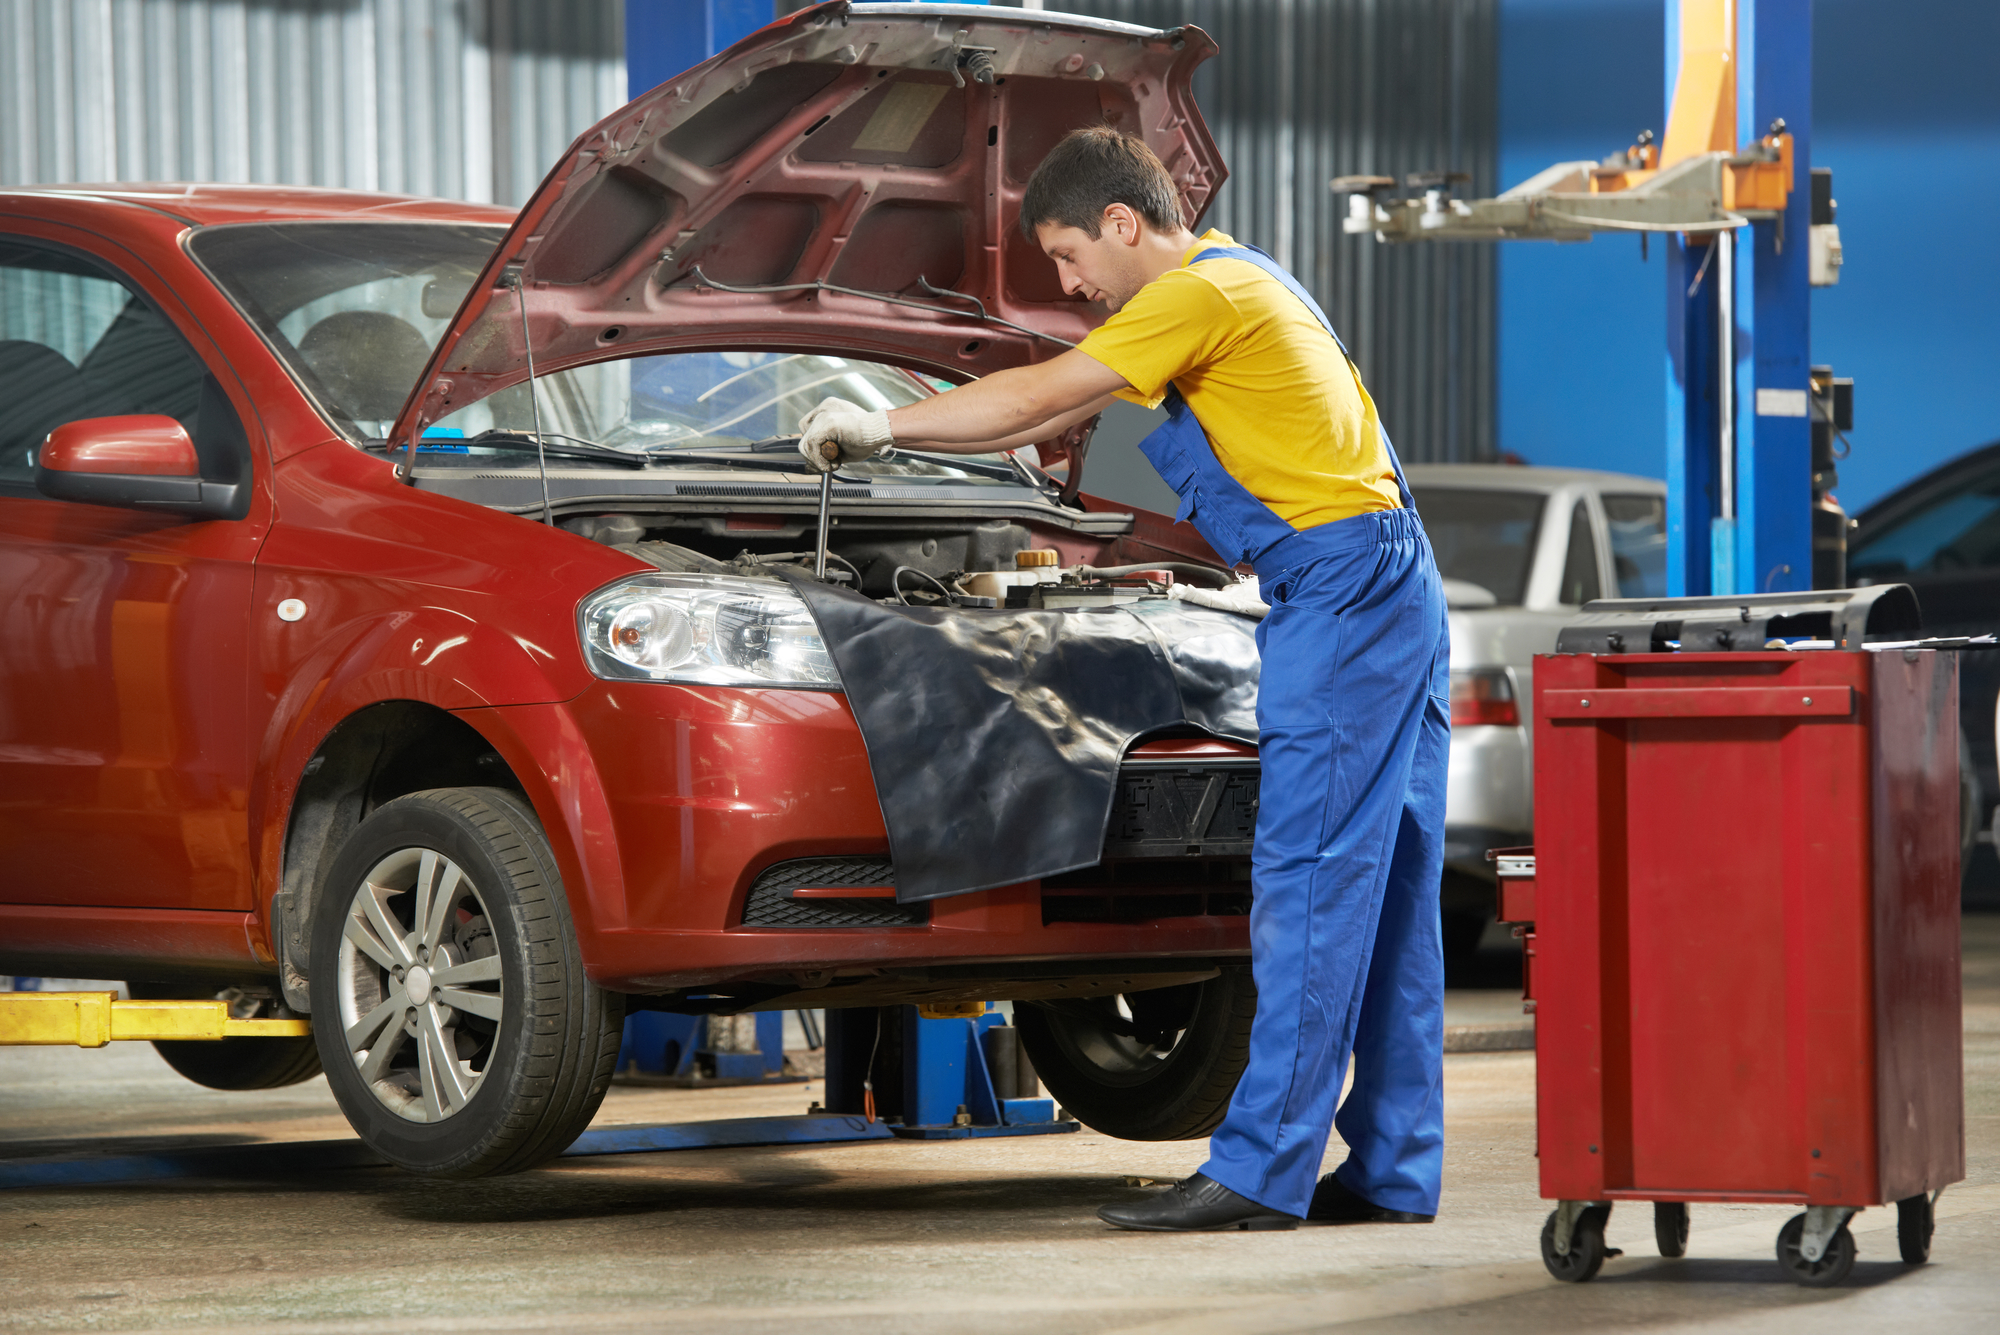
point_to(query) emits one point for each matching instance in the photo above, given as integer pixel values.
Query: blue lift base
(974, 1132)
(288, 1159)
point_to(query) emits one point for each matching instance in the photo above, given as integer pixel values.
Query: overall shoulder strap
(1292, 285)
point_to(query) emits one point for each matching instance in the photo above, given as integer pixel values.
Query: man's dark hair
(1088, 172)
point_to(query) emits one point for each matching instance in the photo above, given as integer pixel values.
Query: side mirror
(141, 462)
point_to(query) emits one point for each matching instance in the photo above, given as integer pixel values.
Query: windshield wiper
(523, 442)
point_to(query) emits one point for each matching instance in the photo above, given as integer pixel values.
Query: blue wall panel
(1582, 328)
(1906, 112)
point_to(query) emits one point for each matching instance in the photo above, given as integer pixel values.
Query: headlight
(713, 630)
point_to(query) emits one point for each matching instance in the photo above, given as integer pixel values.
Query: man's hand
(858, 435)
(828, 405)
(1243, 597)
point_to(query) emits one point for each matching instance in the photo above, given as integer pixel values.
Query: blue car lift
(1726, 193)
(947, 1066)
(947, 1073)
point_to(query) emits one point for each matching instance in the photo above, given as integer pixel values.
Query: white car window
(1638, 526)
(1484, 538)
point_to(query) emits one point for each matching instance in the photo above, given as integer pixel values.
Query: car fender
(431, 655)
(552, 758)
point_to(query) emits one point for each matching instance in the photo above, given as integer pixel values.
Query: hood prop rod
(705, 281)
(534, 400)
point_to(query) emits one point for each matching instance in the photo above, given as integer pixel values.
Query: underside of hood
(882, 149)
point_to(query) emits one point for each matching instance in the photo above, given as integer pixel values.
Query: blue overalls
(1353, 712)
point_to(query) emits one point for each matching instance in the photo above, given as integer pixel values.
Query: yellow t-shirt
(1283, 410)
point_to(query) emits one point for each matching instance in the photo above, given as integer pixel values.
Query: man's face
(1103, 269)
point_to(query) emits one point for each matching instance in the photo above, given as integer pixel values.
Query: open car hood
(880, 148)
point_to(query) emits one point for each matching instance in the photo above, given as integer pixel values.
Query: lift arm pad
(92, 1019)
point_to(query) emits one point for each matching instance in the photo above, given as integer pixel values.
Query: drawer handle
(1700, 702)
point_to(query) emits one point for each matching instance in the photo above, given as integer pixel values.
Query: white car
(1520, 549)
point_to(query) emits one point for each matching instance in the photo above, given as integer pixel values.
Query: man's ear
(1122, 222)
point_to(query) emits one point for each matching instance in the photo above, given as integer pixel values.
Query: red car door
(124, 760)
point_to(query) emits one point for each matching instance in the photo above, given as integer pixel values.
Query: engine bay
(927, 562)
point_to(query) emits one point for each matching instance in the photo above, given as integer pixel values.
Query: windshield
(355, 309)
(1485, 538)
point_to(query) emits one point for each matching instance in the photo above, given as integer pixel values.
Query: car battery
(1745, 899)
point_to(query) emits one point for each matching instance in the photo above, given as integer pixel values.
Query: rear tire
(1161, 1068)
(459, 1032)
(230, 1063)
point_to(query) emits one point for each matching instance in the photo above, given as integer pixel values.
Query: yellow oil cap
(1036, 557)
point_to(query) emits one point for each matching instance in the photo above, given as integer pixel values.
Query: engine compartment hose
(896, 584)
(1209, 576)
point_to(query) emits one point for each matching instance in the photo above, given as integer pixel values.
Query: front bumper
(672, 800)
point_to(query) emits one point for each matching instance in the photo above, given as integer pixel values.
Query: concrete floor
(993, 1236)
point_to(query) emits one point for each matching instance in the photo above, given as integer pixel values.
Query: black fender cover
(994, 736)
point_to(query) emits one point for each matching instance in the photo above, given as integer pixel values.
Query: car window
(76, 342)
(1486, 538)
(1638, 526)
(1579, 579)
(1959, 530)
(353, 308)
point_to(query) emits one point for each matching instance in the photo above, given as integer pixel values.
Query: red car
(462, 716)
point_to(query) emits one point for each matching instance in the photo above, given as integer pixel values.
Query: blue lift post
(1739, 450)
(1728, 190)
(675, 1047)
(944, 1085)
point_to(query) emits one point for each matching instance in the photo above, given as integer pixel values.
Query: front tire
(1156, 1065)
(458, 1030)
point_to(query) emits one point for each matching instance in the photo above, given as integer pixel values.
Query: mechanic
(1275, 450)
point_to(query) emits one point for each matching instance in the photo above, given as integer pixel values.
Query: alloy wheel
(420, 989)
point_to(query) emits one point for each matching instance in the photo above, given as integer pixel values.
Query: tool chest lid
(1830, 618)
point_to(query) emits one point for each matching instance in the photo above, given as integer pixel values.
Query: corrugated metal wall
(1306, 90)
(473, 99)
(469, 99)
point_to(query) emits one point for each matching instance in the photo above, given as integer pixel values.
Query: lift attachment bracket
(92, 1019)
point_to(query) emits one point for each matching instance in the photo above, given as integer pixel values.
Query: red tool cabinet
(1745, 900)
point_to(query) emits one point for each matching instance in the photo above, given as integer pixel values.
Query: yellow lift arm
(92, 1019)
(1696, 181)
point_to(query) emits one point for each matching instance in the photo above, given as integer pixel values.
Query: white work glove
(858, 434)
(1243, 597)
(827, 406)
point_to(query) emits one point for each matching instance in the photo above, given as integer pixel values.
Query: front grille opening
(1163, 812)
(770, 902)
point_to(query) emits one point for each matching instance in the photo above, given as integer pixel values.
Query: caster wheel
(1915, 1220)
(1670, 1227)
(1829, 1269)
(1586, 1247)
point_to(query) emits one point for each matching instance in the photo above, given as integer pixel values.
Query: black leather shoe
(1334, 1204)
(1197, 1205)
